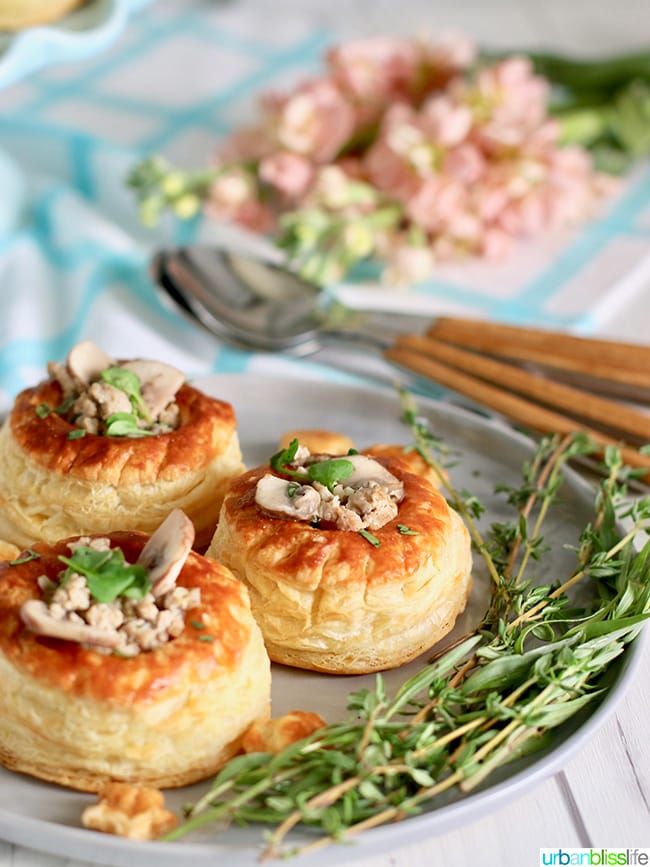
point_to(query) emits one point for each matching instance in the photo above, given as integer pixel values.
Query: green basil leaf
(330, 472)
(107, 574)
(280, 463)
(129, 383)
(123, 424)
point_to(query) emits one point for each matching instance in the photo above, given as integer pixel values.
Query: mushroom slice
(86, 361)
(272, 495)
(35, 614)
(166, 551)
(159, 382)
(368, 470)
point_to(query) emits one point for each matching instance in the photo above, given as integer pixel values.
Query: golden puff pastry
(318, 440)
(275, 735)
(413, 461)
(8, 551)
(166, 717)
(344, 602)
(53, 485)
(136, 812)
(19, 14)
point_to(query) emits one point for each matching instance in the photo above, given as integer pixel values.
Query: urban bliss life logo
(594, 857)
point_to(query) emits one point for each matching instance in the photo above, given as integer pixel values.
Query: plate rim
(79, 841)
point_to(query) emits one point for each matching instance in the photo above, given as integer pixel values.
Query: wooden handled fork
(521, 374)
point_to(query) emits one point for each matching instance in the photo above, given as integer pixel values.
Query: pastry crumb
(126, 810)
(274, 735)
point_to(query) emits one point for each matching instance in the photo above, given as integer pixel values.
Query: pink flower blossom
(245, 145)
(316, 121)
(288, 173)
(508, 102)
(379, 70)
(437, 204)
(233, 196)
(462, 162)
(390, 162)
(450, 54)
(444, 122)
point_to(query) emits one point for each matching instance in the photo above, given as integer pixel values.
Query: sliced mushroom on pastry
(353, 564)
(112, 673)
(105, 445)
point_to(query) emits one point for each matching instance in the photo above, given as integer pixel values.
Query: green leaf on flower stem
(630, 118)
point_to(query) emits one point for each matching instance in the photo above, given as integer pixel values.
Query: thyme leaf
(533, 662)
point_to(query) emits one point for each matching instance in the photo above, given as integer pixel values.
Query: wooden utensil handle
(512, 406)
(628, 363)
(577, 403)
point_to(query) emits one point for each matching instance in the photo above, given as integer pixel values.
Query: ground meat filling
(135, 625)
(116, 398)
(367, 500)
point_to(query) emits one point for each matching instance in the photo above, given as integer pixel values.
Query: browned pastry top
(196, 655)
(307, 555)
(205, 430)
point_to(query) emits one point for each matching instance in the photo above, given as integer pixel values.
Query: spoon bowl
(257, 304)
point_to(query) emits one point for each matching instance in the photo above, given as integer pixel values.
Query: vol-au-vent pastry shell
(166, 717)
(328, 599)
(52, 486)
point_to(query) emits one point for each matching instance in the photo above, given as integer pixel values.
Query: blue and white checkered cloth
(73, 258)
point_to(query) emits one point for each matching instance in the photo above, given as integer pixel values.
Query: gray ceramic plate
(46, 817)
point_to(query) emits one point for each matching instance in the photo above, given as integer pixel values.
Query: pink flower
(393, 162)
(245, 145)
(379, 70)
(437, 204)
(288, 173)
(464, 163)
(451, 53)
(461, 162)
(495, 244)
(316, 121)
(508, 102)
(233, 196)
(445, 123)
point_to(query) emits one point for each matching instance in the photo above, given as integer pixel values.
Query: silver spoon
(252, 302)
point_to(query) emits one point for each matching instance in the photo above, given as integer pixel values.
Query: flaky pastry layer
(52, 487)
(328, 599)
(167, 717)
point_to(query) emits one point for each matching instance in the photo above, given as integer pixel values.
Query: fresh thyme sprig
(532, 663)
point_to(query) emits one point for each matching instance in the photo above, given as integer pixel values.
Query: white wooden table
(602, 797)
